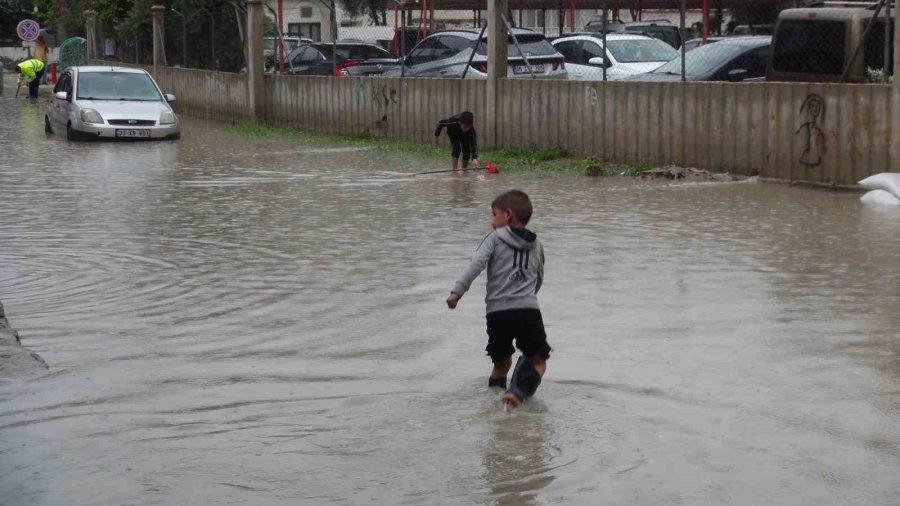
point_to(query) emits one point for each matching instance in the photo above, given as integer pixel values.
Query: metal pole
(474, 50)
(334, 38)
(862, 43)
(212, 40)
(281, 37)
(683, 52)
(402, 42)
(705, 20)
(518, 48)
(887, 42)
(605, 13)
(183, 42)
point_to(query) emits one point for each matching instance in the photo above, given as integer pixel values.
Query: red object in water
(491, 168)
(52, 79)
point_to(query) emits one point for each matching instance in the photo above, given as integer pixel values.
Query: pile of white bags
(883, 188)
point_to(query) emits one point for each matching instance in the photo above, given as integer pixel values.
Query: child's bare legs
(501, 369)
(455, 163)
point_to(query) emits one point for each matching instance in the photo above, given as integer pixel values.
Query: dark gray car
(733, 59)
(352, 58)
(447, 54)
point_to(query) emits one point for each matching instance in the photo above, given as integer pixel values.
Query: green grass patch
(507, 159)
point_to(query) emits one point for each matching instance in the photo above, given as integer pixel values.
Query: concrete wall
(221, 96)
(824, 133)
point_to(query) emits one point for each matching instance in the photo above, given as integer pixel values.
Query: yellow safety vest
(28, 69)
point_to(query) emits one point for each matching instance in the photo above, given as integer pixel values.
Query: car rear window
(361, 52)
(532, 44)
(810, 47)
(667, 34)
(646, 50)
(116, 86)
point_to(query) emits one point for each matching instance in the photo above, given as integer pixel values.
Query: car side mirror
(737, 75)
(61, 95)
(170, 97)
(599, 61)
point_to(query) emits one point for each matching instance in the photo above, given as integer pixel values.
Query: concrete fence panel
(825, 133)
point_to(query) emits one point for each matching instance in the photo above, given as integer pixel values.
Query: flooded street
(263, 322)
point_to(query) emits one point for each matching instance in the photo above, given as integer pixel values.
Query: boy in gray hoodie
(515, 268)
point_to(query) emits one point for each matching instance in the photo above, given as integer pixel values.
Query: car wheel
(174, 137)
(47, 128)
(70, 134)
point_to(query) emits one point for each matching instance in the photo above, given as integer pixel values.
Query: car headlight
(167, 118)
(91, 116)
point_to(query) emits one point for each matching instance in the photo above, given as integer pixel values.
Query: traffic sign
(28, 30)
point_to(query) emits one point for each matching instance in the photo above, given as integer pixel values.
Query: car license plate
(138, 132)
(523, 69)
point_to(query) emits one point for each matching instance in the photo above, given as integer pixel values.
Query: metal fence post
(159, 12)
(255, 59)
(683, 49)
(498, 59)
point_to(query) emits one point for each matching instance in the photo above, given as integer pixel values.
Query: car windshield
(532, 44)
(636, 51)
(116, 86)
(667, 34)
(704, 60)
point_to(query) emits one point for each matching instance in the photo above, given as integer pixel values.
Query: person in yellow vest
(31, 71)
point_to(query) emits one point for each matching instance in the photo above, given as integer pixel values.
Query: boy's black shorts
(460, 145)
(526, 326)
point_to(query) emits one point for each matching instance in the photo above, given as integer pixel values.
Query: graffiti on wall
(383, 97)
(811, 134)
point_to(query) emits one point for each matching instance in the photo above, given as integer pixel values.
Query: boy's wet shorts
(525, 326)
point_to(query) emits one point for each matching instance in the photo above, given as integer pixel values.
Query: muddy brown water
(262, 322)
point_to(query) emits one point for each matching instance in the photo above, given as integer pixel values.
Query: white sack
(882, 197)
(888, 181)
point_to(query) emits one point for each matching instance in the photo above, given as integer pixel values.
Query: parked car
(695, 43)
(626, 55)
(816, 44)
(110, 102)
(353, 59)
(446, 54)
(271, 45)
(734, 59)
(660, 29)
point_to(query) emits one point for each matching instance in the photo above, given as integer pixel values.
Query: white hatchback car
(110, 102)
(627, 55)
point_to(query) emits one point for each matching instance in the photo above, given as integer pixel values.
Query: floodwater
(261, 322)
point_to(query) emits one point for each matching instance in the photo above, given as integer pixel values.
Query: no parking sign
(28, 30)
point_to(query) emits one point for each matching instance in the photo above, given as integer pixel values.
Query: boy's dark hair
(466, 118)
(517, 201)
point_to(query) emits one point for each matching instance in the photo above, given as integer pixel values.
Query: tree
(375, 10)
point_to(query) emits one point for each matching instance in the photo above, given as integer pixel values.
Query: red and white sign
(28, 30)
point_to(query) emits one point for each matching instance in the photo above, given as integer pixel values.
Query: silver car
(447, 54)
(110, 102)
(626, 55)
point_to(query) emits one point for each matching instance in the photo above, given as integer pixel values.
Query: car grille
(132, 122)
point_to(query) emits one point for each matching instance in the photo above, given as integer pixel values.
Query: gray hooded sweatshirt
(515, 269)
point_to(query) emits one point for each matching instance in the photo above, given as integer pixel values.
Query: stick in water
(490, 167)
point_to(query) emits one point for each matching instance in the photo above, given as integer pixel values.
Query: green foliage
(594, 167)
(375, 10)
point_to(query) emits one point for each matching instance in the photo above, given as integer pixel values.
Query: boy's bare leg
(501, 368)
(465, 163)
(455, 163)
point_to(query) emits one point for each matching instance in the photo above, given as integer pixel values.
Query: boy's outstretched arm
(478, 263)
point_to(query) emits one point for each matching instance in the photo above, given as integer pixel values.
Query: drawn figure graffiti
(813, 114)
(384, 97)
